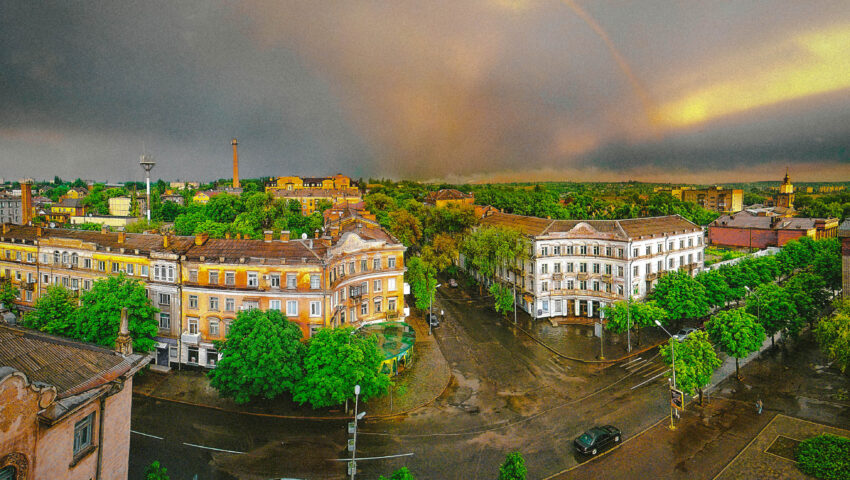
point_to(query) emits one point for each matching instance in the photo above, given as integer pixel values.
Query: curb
(582, 360)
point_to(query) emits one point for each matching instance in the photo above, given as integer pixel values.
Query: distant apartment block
(718, 199)
(578, 266)
(448, 196)
(10, 209)
(336, 182)
(753, 230)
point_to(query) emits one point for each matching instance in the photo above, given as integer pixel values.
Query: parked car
(594, 440)
(433, 319)
(684, 333)
(453, 283)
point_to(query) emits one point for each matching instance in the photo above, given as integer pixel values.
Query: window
(29, 295)
(192, 354)
(681, 243)
(290, 280)
(164, 299)
(669, 246)
(213, 277)
(544, 286)
(660, 265)
(544, 250)
(390, 262)
(116, 267)
(545, 305)
(87, 263)
(595, 268)
(690, 242)
(377, 285)
(55, 256)
(363, 265)
(619, 290)
(595, 286)
(378, 304)
(569, 249)
(648, 268)
(315, 309)
(101, 265)
(582, 267)
(570, 285)
(86, 284)
(193, 301)
(569, 268)
(607, 269)
(229, 305)
(193, 276)
(193, 326)
(556, 250)
(582, 250)
(635, 271)
(253, 280)
(164, 321)
(596, 249)
(130, 269)
(364, 308)
(230, 278)
(376, 264)
(391, 304)
(75, 259)
(250, 304)
(213, 327)
(274, 280)
(544, 268)
(391, 284)
(620, 271)
(83, 434)
(212, 356)
(214, 304)
(635, 252)
(648, 249)
(351, 268)
(558, 267)
(291, 308)
(670, 263)
(145, 271)
(659, 247)
(582, 285)
(172, 352)
(607, 251)
(274, 305)
(314, 281)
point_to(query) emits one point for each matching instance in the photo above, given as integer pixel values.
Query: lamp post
(147, 163)
(352, 465)
(673, 362)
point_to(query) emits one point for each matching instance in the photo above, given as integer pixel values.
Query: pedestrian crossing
(646, 371)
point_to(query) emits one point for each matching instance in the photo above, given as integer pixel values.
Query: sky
(458, 90)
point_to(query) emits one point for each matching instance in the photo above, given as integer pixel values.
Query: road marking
(636, 366)
(655, 370)
(647, 381)
(372, 458)
(145, 434)
(212, 448)
(632, 361)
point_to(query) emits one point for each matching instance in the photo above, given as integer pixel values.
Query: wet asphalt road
(508, 393)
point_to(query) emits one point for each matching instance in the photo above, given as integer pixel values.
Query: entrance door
(162, 356)
(582, 308)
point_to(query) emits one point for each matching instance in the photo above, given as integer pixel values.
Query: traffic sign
(677, 399)
(352, 467)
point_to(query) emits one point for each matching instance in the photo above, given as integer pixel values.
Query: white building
(577, 266)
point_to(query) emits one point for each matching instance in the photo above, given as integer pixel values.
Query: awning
(165, 340)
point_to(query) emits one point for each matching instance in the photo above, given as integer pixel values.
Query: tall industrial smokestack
(235, 164)
(26, 201)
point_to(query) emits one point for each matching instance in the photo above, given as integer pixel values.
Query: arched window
(75, 259)
(56, 257)
(8, 473)
(64, 257)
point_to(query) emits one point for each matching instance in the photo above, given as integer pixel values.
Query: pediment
(583, 229)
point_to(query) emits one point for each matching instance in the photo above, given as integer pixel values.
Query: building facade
(11, 210)
(199, 284)
(718, 199)
(576, 267)
(757, 231)
(449, 196)
(65, 407)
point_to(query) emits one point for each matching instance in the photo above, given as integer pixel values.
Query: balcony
(190, 338)
(558, 276)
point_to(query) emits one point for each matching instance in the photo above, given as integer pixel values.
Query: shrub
(825, 456)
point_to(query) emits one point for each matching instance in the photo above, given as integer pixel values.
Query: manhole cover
(784, 447)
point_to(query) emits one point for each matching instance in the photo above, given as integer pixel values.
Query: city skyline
(464, 92)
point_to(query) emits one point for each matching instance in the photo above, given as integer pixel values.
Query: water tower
(147, 163)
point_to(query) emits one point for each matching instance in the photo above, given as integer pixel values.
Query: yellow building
(309, 198)
(204, 197)
(336, 182)
(120, 206)
(449, 196)
(111, 221)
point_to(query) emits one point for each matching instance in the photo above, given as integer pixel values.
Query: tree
(442, 252)
(155, 471)
(99, 315)
(401, 474)
(622, 315)
(735, 332)
(405, 227)
(825, 456)
(8, 295)
(716, 288)
(261, 357)
(55, 312)
(336, 360)
(827, 262)
(422, 279)
(487, 249)
(696, 361)
(808, 293)
(513, 467)
(833, 335)
(223, 208)
(774, 309)
(503, 298)
(680, 295)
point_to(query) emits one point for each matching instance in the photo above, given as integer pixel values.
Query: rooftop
(625, 229)
(747, 219)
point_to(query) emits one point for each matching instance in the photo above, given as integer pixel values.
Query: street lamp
(430, 302)
(352, 465)
(673, 362)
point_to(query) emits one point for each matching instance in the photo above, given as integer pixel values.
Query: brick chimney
(26, 202)
(166, 241)
(201, 238)
(122, 237)
(267, 235)
(124, 344)
(284, 235)
(235, 164)
(39, 231)
(316, 233)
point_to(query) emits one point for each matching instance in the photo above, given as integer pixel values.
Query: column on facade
(590, 308)
(577, 307)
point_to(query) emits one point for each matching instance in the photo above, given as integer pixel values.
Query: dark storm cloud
(422, 89)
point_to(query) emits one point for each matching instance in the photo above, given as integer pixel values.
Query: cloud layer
(468, 89)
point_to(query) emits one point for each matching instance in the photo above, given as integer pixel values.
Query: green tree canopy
(680, 295)
(9, 294)
(336, 361)
(621, 315)
(401, 474)
(716, 288)
(513, 468)
(696, 362)
(809, 294)
(833, 335)
(99, 315)
(261, 357)
(735, 332)
(442, 252)
(55, 312)
(774, 309)
(422, 279)
(503, 297)
(405, 227)
(155, 471)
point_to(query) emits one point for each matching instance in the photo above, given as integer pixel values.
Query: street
(507, 393)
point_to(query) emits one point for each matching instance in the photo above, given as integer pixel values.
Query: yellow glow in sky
(819, 63)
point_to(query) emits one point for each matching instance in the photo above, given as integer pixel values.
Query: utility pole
(147, 163)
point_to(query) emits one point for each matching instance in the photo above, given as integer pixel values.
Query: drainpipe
(180, 316)
(100, 435)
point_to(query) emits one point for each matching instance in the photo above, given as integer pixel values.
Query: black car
(597, 438)
(433, 319)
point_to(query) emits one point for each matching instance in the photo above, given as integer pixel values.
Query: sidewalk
(419, 385)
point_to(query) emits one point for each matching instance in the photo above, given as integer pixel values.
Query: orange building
(445, 197)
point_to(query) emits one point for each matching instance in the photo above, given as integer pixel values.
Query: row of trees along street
(746, 301)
